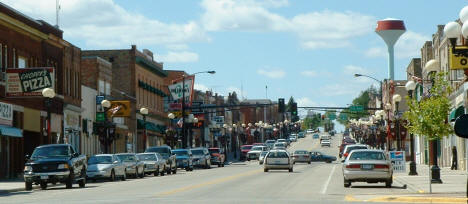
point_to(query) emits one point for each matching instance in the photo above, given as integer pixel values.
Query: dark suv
(55, 163)
(166, 152)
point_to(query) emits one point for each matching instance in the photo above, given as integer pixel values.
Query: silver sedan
(105, 166)
(369, 166)
(135, 167)
(301, 156)
(154, 163)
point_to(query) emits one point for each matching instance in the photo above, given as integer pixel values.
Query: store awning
(10, 131)
(151, 126)
(456, 113)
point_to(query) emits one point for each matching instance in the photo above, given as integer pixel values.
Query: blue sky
(308, 49)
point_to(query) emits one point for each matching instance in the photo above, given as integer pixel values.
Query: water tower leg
(391, 61)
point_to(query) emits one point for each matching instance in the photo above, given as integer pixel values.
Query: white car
(352, 147)
(279, 145)
(365, 165)
(324, 143)
(293, 138)
(278, 159)
(254, 153)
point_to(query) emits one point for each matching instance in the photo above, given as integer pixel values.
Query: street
(242, 182)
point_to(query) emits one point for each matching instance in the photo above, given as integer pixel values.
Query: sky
(308, 49)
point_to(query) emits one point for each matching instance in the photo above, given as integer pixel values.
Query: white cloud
(177, 47)
(352, 69)
(409, 45)
(309, 73)
(305, 101)
(274, 73)
(104, 24)
(178, 57)
(201, 87)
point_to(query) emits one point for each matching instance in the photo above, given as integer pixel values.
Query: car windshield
(278, 155)
(51, 151)
(281, 140)
(147, 157)
(214, 151)
(197, 152)
(126, 157)
(349, 149)
(367, 156)
(279, 145)
(181, 153)
(270, 141)
(160, 150)
(100, 160)
(301, 152)
(246, 147)
(257, 148)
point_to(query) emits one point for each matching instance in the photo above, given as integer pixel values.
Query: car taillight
(295, 156)
(306, 155)
(346, 154)
(353, 166)
(381, 166)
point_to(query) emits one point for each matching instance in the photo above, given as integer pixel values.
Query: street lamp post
(410, 87)
(144, 112)
(171, 117)
(396, 100)
(388, 107)
(106, 105)
(49, 94)
(380, 82)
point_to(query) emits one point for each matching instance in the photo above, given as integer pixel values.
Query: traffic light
(294, 109)
(281, 105)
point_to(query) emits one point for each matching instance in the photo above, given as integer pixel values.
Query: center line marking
(324, 190)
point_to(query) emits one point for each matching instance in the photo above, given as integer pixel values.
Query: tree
(362, 100)
(289, 105)
(428, 117)
(311, 122)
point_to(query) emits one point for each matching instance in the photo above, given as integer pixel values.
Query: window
(14, 57)
(101, 87)
(108, 88)
(22, 62)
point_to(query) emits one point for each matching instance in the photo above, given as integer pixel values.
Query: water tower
(390, 30)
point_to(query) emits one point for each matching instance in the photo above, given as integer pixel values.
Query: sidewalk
(12, 185)
(454, 182)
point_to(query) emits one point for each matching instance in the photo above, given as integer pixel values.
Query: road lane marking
(216, 181)
(324, 190)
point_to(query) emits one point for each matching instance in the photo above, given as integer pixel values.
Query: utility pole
(184, 137)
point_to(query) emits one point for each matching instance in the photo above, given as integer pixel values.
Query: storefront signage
(458, 61)
(398, 161)
(119, 109)
(6, 114)
(28, 81)
(219, 120)
(176, 89)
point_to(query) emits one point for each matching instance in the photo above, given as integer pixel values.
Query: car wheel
(43, 185)
(69, 182)
(163, 171)
(112, 176)
(219, 165)
(156, 173)
(265, 170)
(124, 177)
(174, 171)
(291, 170)
(142, 173)
(347, 183)
(168, 171)
(308, 162)
(388, 183)
(208, 165)
(28, 186)
(82, 182)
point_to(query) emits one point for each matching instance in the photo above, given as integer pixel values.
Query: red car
(217, 156)
(244, 150)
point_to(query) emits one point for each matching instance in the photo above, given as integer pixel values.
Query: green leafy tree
(362, 100)
(312, 122)
(289, 105)
(428, 117)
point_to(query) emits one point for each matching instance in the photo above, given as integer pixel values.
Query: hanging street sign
(458, 61)
(356, 108)
(176, 89)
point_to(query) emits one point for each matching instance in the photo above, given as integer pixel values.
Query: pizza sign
(28, 81)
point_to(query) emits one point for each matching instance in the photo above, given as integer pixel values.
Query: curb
(419, 199)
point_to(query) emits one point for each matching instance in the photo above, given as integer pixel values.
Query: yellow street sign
(458, 61)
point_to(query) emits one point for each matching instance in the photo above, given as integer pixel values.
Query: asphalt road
(243, 182)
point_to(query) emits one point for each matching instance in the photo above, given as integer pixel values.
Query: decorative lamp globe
(144, 111)
(410, 85)
(48, 93)
(171, 115)
(452, 30)
(464, 14)
(195, 120)
(396, 98)
(106, 103)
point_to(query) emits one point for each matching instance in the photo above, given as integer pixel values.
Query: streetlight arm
(358, 75)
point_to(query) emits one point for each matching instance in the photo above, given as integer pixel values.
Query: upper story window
(101, 87)
(108, 89)
(22, 62)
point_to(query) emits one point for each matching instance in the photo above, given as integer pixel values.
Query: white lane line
(324, 189)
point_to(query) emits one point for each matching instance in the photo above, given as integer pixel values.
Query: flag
(114, 110)
(180, 122)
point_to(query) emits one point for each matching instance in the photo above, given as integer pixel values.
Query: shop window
(22, 62)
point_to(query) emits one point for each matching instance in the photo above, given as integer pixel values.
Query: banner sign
(119, 109)
(6, 114)
(25, 82)
(398, 160)
(458, 61)
(176, 89)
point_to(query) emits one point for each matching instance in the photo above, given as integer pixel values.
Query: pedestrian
(454, 158)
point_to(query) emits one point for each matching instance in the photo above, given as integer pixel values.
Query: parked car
(369, 166)
(301, 156)
(278, 159)
(254, 153)
(324, 143)
(280, 145)
(309, 131)
(217, 156)
(261, 158)
(184, 159)
(55, 163)
(270, 143)
(352, 147)
(105, 166)
(134, 166)
(293, 138)
(154, 163)
(316, 136)
(244, 150)
(316, 156)
(301, 135)
(166, 152)
(201, 157)
(325, 137)
(258, 144)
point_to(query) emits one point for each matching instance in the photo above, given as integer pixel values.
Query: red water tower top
(390, 24)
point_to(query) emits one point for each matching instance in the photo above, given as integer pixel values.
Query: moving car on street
(316, 156)
(279, 145)
(201, 157)
(301, 156)
(55, 163)
(217, 156)
(254, 153)
(352, 147)
(105, 166)
(270, 143)
(244, 150)
(369, 166)
(325, 143)
(184, 159)
(278, 159)
(301, 135)
(282, 141)
(166, 152)
(261, 158)
(293, 138)
(154, 163)
(316, 136)
(134, 166)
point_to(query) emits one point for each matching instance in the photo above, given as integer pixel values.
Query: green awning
(457, 113)
(10, 131)
(151, 126)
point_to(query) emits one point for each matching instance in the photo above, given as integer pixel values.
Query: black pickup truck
(55, 163)
(166, 152)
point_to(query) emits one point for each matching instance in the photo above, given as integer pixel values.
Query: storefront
(71, 126)
(11, 142)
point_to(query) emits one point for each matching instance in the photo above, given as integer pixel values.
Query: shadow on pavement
(6, 194)
(383, 186)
